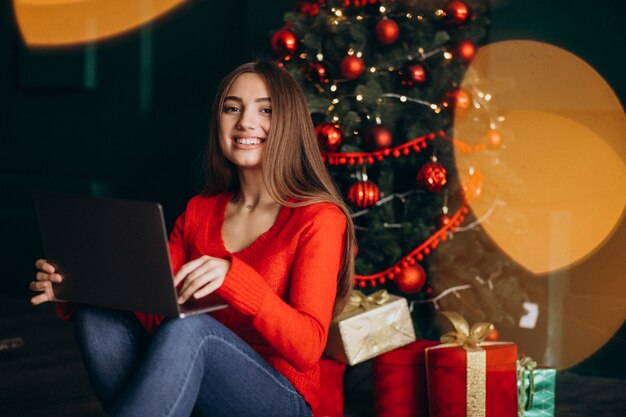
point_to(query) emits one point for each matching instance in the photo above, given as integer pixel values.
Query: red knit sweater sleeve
(298, 327)
(178, 251)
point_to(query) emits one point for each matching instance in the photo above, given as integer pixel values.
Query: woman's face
(245, 121)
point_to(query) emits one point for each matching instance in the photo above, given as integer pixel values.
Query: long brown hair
(292, 163)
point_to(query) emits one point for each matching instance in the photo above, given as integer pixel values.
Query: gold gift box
(370, 326)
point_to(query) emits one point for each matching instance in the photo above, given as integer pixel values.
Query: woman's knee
(196, 336)
(97, 324)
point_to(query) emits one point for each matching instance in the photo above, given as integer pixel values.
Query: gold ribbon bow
(526, 364)
(358, 300)
(464, 335)
(476, 368)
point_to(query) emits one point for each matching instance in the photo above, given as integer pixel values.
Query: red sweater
(281, 288)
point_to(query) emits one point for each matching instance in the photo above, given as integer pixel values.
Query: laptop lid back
(111, 253)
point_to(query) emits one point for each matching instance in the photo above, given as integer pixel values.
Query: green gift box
(536, 389)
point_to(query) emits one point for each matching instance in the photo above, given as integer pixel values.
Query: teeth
(248, 141)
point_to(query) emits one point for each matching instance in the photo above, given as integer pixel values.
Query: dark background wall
(128, 118)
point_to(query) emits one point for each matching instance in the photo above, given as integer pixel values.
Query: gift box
(399, 376)
(468, 377)
(331, 390)
(536, 389)
(369, 326)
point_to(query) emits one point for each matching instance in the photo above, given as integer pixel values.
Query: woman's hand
(45, 278)
(201, 277)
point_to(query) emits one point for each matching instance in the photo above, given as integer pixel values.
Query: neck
(252, 191)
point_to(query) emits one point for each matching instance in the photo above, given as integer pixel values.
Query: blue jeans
(189, 365)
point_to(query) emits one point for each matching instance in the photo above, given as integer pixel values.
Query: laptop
(112, 253)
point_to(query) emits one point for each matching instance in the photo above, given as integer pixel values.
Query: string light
(320, 56)
(382, 9)
(359, 97)
(373, 69)
(333, 87)
(400, 196)
(403, 99)
(483, 218)
(448, 291)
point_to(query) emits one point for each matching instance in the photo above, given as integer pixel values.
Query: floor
(41, 374)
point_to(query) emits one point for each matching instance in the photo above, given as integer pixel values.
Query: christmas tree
(382, 83)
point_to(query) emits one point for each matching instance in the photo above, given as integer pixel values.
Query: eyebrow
(239, 100)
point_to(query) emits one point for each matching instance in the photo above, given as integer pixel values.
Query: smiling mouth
(249, 141)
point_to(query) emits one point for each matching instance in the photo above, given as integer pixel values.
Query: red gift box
(400, 381)
(448, 382)
(331, 394)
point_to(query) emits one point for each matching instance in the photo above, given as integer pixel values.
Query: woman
(271, 236)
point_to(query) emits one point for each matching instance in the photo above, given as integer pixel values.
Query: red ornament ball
(329, 135)
(411, 279)
(317, 73)
(493, 336)
(352, 67)
(284, 42)
(413, 73)
(466, 50)
(363, 194)
(458, 100)
(309, 8)
(432, 176)
(457, 12)
(442, 220)
(387, 31)
(379, 137)
(494, 138)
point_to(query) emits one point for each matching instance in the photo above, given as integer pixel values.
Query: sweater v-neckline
(223, 201)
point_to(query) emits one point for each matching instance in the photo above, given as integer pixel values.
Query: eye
(266, 110)
(231, 109)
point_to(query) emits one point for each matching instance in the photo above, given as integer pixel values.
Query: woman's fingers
(43, 276)
(189, 267)
(197, 283)
(206, 273)
(200, 270)
(41, 298)
(39, 285)
(47, 292)
(43, 265)
(208, 289)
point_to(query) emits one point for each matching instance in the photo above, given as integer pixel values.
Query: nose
(246, 120)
